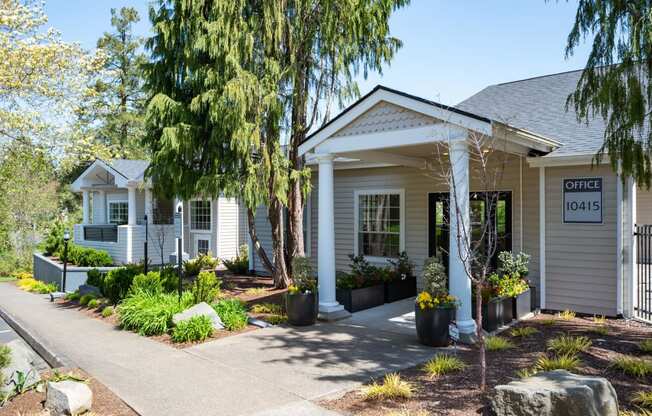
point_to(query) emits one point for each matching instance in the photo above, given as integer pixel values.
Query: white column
(460, 283)
(132, 206)
(86, 206)
(329, 308)
(149, 211)
(102, 211)
(631, 255)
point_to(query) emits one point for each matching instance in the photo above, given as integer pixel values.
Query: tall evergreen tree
(114, 113)
(616, 83)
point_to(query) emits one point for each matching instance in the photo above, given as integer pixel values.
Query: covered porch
(385, 144)
(119, 213)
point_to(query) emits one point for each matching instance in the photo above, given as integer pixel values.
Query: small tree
(475, 247)
(160, 237)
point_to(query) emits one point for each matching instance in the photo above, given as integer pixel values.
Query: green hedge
(117, 282)
(85, 256)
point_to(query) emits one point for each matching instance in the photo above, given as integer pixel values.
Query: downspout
(520, 203)
(542, 236)
(619, 244)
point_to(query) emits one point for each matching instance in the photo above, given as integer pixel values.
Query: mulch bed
(105, 402)
(457, 394)
(240, 287)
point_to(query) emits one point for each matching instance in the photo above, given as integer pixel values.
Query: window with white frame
(118, 212)
(200, 215)
(203, 246)
(379, 220)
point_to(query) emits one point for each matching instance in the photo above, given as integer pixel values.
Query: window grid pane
(379, 225)
(200, 215)
(118, 213)
(202, 246)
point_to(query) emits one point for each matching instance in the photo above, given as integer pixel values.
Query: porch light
(66, 236)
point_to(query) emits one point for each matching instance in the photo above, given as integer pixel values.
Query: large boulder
(23, 361)
(556, 393)
(199, 310)
(68, 397)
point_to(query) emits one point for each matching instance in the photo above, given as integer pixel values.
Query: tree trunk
(260, 250)
(280, 274)
(478, 323)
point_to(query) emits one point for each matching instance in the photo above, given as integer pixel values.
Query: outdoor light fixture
(145, 248)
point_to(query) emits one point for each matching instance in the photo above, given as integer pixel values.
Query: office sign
(178, 228)
(582, 201)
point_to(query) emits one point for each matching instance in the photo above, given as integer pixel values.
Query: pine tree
(616, 83)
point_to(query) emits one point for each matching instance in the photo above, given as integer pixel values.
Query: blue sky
(452, 48)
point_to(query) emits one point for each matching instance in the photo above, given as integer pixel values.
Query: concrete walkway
(274, 371)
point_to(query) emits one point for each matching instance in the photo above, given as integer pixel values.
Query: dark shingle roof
(130, 169)
(539, 106)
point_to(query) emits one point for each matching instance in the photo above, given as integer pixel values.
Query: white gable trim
(121, 181)
(358, 109)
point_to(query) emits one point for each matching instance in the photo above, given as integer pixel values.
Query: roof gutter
(562, 160)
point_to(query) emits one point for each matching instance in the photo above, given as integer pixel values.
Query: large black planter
(400, 289)
(522, 304)
(508, 310)
(301, 308)
(355, 300)
(432, 325)
(493, 313)
(534, 300)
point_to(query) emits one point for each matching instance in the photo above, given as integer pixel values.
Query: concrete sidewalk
(275, 371)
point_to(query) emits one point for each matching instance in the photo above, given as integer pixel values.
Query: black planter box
(432, 325)
(508, 310)
(400, 289)
(534, 300)
(494, 313)
(355, 300)
(302, 308)
(522, 304)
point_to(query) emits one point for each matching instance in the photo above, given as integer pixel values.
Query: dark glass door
(499, 213)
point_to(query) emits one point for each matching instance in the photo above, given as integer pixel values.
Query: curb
(53, 359)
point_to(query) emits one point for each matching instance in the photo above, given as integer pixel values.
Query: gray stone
(556, 393)
(23, 360)
(68, 397)
(89, 290)
(199, 310)
(259, 323)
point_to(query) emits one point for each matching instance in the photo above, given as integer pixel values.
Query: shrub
(232, 312)
(150, 282)
(303, 276)
(205, 288)
(169, 279)
(191, 267)
(23, 275)
(197, 328)
(567, 315)
(600, 319)
(548, 322)
(507, 285)
(36, 286)
(71, 297)
(94, 303)
(54, 239)
(85, 299)
(151, 314)
(5, 360)
(118, 281)
(434, 276)
(562, 362)
(276, 319)
(239, 264)
(443, 364)
(207, 261)
(511, 265)
(496, 343)
(402, 266)
(87, 256)
(600, 330)
(95, 278)
(268, 308)
(645, 346)
(569, 345)
(643, 399)
(255, 291)
(633, 366)
(107, 311)
(393, 387)
(523, 332)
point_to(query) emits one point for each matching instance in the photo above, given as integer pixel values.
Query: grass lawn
(7, 279)
(606, 348)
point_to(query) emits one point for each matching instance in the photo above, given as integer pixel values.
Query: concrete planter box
(355, 300)
(400, 289)
(51, 271)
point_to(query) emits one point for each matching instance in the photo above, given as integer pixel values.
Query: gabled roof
(538, 105)
(123, 172)
(130, 169)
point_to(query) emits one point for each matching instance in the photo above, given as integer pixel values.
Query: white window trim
(356, 220)
(201, 236)
(210, 223)
(108, 210)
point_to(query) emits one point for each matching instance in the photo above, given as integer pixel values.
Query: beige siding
(227, 227)
(385, 117)
(580, 258)
(531, 222)
(644, 206)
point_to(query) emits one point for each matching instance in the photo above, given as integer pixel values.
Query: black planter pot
(301, 308)
(493, 313)
(355, 300)
(508, 310)
(522, 304)
(400, 289)
(432, 325)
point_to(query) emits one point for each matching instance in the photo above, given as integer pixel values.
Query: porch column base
(468, 334)
(332, 312)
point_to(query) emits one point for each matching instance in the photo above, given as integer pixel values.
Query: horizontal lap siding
(531, 223)
(227, 230)
(580, 258)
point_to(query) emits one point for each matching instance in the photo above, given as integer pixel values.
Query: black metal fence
(101, 233)
(643, 301)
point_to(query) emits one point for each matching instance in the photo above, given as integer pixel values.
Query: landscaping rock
(199, 310)
(556, 393)
(68, 397)
(23, 360)
(89, 289)
(259, 323)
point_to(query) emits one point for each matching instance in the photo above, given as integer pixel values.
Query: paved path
(7, 334)
(274, 371)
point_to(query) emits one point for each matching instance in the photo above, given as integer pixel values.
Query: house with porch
(374, 195)
(120, 212)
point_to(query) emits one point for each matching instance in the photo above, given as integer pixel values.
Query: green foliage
(496, 343)
(643, 399)
(37, 286)
(569, 345)
(192, 267)
(54, 239)
(240, 264)
(403, 267)
(150, 282)
(633, 366)
(303, 276)
(434, 277)
(117, 282)
(233, 313)
(276, 319)
(507, 285)
(5, 356)
(205, 288)
(207, 261)
(151, 314)
(73, 296)
(566, 315)
(645, 346)
(363, 274)
(393, 387)
(86, 256)
(523, 332)
(197, 328)
(268, 308)
(169, 278)
(566, 362)
(442, 364)
(107, 311)
(95, 278)
(93, 303)
(84, 300)
(601, 330)
(513, 265)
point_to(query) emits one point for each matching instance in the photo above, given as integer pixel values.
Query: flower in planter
(426, 301)
(435, 293)
(303, 280)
